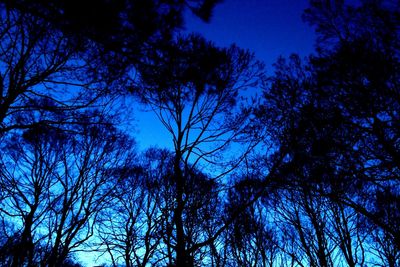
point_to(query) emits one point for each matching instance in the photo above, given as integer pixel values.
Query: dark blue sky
(269, 28)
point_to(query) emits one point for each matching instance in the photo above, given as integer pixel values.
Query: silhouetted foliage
(193, 86)
(307, 174)
(50, 49)
(116, 34)
(55, 183)
(42, 79)
(335, 115)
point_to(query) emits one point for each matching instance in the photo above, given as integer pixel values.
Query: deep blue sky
(269, 28)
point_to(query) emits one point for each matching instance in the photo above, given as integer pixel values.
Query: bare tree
(41, 73)
(251, 238)
(130, 228)
(349, 231)
(56, 183)
(193, 89)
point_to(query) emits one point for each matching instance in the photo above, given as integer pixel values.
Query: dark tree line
(306, 174)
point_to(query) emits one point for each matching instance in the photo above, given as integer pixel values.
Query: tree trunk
(178, 213)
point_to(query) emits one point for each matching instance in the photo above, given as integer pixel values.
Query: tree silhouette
(307, 174)
(57, 57)
(193, 87)
(250, 239)
(130, 229)
(117, 35)
(334, 115)
(55, 185)
(40, 74)
(363, 70)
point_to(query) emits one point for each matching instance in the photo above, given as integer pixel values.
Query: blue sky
(269, 28)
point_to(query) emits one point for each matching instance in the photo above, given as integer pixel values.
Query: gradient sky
(269, 28)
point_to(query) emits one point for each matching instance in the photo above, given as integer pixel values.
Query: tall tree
(336, 115)
(251, 239)
(56, 182)
(193, 87)
(40, 75)
(130, 229)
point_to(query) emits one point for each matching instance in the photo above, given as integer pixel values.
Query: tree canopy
(306, 173)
